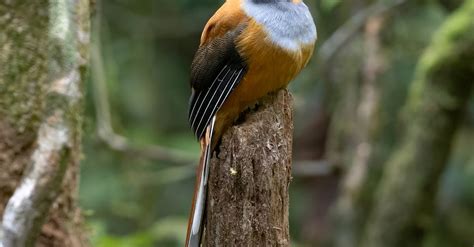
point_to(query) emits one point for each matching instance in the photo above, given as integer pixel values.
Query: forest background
(384, 124)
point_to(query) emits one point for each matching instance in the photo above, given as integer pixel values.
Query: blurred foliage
(329, 5)
(147, 47)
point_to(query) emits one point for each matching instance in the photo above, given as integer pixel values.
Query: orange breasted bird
(248, 49)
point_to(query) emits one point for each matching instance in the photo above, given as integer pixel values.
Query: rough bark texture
(405, 199)
(43, 55)
(250, 177)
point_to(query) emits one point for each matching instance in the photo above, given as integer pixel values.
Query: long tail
(196, 218)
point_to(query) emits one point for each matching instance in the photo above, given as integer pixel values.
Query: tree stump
(250, 174)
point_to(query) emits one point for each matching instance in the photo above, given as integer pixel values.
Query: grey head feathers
(288, 24)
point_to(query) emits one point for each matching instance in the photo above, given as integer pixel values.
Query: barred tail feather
(196, 218)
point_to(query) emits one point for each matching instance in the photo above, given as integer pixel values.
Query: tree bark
(250, 177)
(43, 58)
(443, 82)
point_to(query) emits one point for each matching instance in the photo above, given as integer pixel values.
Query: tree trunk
(249, 179)
(351, 206)
(444, 78)
(43, 55)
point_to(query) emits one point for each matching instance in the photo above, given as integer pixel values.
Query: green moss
(23, 62)
(437, 101)
(445, 60)
(33, 55)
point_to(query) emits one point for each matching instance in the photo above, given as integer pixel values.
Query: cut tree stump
(250, 174)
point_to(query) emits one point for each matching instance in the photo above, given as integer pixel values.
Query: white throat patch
(288, 25)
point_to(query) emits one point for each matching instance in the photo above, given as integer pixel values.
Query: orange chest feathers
(270, 65)
(265, 59)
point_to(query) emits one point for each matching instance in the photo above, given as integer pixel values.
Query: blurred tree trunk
(43, 58)
(444, 78)
(249, 179)
(349, 212)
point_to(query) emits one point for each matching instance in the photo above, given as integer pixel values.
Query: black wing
(216, 71)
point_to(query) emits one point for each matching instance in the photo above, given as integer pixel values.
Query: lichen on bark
(43, 56)
(23, 59)
(23, 76)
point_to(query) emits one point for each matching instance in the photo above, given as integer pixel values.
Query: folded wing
(216, 71)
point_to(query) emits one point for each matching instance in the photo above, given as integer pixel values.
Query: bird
(248, 49)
